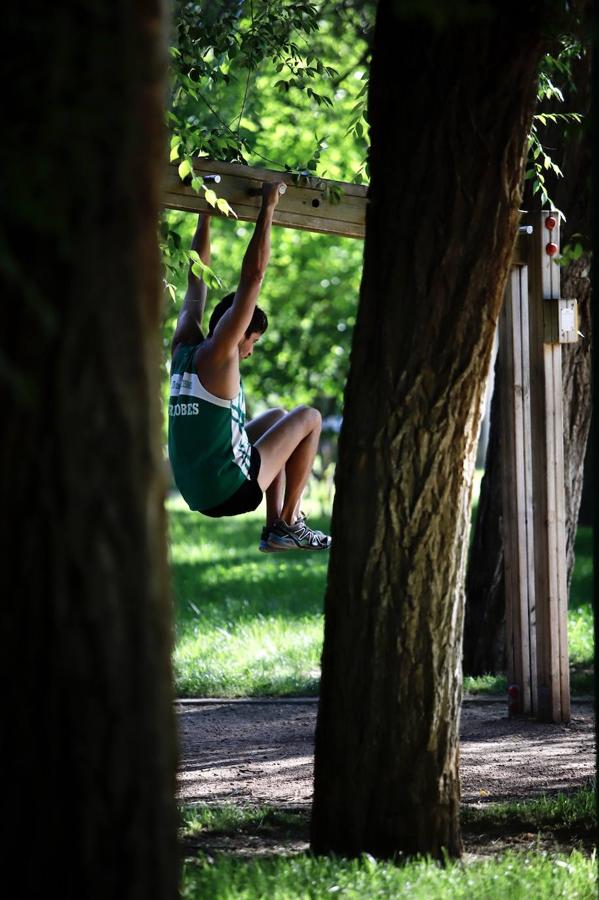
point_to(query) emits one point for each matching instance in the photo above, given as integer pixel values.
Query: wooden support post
(548, 474)
(533, 322)
(311, 204)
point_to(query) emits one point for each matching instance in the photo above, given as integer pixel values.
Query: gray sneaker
(296, 537)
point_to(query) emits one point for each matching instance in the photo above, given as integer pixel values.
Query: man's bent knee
(310, 415)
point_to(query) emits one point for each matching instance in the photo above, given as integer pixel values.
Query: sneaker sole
(278, 547)
(269, 549)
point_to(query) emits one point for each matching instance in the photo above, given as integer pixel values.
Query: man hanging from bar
(222, 464)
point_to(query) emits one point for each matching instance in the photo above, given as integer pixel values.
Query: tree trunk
(484, 650)
(450, 108)
(484, 623)
(576, 368)
(89, 754)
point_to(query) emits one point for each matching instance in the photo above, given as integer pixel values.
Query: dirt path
(262, 753)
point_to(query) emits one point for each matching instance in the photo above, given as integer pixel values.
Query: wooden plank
(309, 206)
(528, 576)
(514, 636)
(551, 524)
(518, 485)
(518, 490)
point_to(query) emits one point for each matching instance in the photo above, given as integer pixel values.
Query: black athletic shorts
(246, 498)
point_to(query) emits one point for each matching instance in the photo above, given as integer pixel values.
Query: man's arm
(188, 330)
(235, 322)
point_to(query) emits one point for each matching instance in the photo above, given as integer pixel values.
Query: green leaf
(225, 208)
(184, 169)
(210, 196)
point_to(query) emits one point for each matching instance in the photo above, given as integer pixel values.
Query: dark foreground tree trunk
(87, 737)
(484, 627)
(449, 111)
(484, 623)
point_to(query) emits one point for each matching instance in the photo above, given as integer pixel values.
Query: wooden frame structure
(534, 323)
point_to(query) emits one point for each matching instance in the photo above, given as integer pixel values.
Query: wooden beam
(308, 206)
(311, 205)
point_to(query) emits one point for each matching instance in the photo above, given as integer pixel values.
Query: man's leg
(275, 492)
(292, 443)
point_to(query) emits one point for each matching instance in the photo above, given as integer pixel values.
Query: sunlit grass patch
(485, 684)
(247, 623)
(514, 876)
(580, 635)
(268, 655)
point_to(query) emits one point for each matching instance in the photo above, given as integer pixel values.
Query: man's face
(246, 344)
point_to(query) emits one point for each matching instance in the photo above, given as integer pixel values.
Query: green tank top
(208, 446)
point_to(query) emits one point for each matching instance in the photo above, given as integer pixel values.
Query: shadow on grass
(569, 818)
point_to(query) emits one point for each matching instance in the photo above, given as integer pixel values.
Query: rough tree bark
(484, 622)
(449, 109)
(484, 627)
(89, 754)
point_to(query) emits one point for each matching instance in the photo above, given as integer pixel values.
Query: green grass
(531, 874)
(247, 623)
(196, 820)
(534, 873)
(251, 624)
(576, 813)
(581, 589)
(485, 684)
(515, 876)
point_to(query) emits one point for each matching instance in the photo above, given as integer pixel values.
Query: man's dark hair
(259, 321)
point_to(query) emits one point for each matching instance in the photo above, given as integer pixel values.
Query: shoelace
(301, 520)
